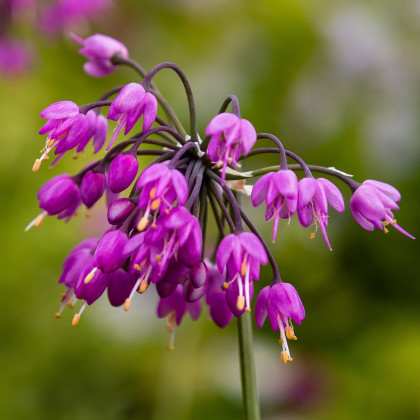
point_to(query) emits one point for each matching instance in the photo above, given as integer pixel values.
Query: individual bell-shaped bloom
(122, 172)
(282, 304)
(99, 49)
(129, 105)
(372, 204)
(97, 128)
(60, 195)
(92, 188)
(15, 57)
(216, 297)
(65, 129)
(230, 137)
(241, 255)
(280, 191)
(314, 197)
(175, 307)
(161, 186)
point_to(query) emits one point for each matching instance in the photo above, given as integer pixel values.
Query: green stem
(247, 365)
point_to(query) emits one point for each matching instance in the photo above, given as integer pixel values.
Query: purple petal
(220, 123)
(60, 110)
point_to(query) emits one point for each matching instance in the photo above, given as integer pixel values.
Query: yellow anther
(160, 263)
(36, 165)
(136, 267)
(127, 304)
(385, 222)
(39, 220)
(57, 315)
(155, 204)
(154, 226)
(143, 286)
(394, 222)
(50, 142)
(70, 305)
(76, 320)
(280, 341)
(294, 338)
(42, 151)
(284, 356)
(243, 268)
(158, 257)
(290, 359)
(153, 193)
(247, 309)
(89, 277)
(166, 211)
(312, 235)
(46, 157)
(63, 295)
(240, 303)
(229, 160)
(170, 348)
(225, 285)
(289, 332)
(386, 230)
(142, 224)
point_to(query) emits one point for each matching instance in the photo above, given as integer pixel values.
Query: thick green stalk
(246, 360)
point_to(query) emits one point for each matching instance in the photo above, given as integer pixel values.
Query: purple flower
(97, 128)
(242, 255)
(280, 191)
(92, 188)
(99, 49)
(65, 128)
(122, 172)
(230, 136)
(129, 105)
(282, 304)
(119, 287)
(175, 307)
(15, 57)
(313, 199)
(161, 186)
(60, 195)
(109, 254)
(371, 206)
(216, 297)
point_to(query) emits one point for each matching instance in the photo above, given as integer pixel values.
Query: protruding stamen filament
(90, 276)
(37, 221)
(127, 303)
(171, 339)
(76, 318)
(36, 165)
(171, 321)
(247, 294)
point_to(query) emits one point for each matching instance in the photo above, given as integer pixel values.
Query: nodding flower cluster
(156, 234)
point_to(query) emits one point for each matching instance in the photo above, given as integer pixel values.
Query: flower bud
(198, 275)
(92, 188)
(119, 210)
(109, 254)
(122, 172)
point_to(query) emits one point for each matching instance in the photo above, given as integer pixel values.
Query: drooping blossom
(160, 187)
(59, 196)
(65, 129)
(119, 210)
(119, 287)
(15, 57)
(314, 197)
(241, 255)
(280, 192)
(230, 137)
(129, 105)
(216, 297)
(99, 49)
(175, 307)
(97, 129)
(282, 304)
(372, 204)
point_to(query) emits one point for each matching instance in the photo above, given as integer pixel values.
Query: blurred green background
(339, 83)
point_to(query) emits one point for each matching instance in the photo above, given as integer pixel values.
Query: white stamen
(284, 345)
(33, 222)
